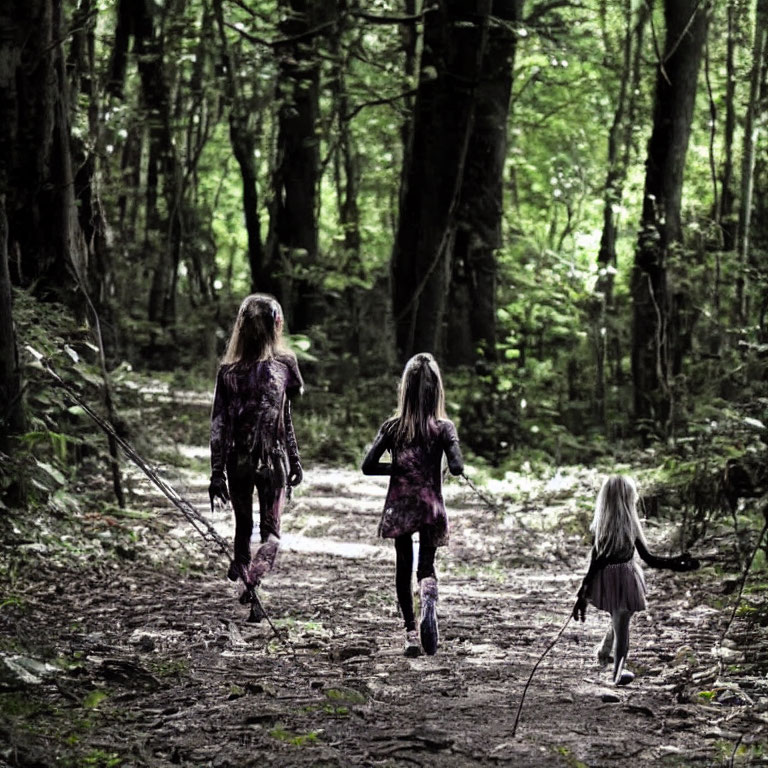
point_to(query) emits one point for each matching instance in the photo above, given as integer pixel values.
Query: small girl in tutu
(614, 581)
(417, 437)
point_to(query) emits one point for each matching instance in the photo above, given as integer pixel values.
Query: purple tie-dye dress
(415, 496)
(252, 438)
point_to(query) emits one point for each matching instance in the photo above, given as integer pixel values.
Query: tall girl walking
(614, 582)
(253, 443)
(416, 437)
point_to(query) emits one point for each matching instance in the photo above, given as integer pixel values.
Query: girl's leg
(404, 569)
(271, 500)
(240, 482)
(430, 636)
(426, 566)
(605, 649)
(621, 620)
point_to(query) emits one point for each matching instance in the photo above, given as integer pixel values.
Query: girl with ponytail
(253, 444)
(416, 438)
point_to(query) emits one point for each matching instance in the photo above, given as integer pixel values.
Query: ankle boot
(263, 560)
(430, 636)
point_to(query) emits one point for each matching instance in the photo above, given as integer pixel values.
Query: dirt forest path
(144, 657)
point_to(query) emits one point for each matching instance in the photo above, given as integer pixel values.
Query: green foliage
(94, 698)
(294, 739)
(60, 435)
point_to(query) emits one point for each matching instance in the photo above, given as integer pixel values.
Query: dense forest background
(566, 202)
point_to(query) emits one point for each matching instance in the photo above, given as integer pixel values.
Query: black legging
(426, 567)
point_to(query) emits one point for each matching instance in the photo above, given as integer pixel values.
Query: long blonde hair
(421, 399)
(257, 333)
(616, 524)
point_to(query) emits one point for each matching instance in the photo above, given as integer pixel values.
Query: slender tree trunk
(130, 177)
(92, 217)
(409, 35)
(243, 139)
(164, 231)
(751, 130)
(725, 217)
(12, 418)
(119, 54)
(619, 150)
(657, 341)
(433, 173)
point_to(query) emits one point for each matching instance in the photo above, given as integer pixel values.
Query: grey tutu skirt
(620, 586)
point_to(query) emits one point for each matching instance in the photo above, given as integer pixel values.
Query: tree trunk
(724, 216)
(293, 236)
(751, 129)
(39, 228)
(409, 35)
(163, 231)
(478, 227)
(119, 54)
(98, 281)
(243, 139)
(44, 238)
(619, 150)
(433, 173)
(659, 340)
(12, 418)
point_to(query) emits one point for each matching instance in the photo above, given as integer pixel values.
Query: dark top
(415, 496)
(252, 410)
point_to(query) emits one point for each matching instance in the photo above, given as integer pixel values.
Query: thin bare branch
(307, 34)
(410, 19)
(377, 102)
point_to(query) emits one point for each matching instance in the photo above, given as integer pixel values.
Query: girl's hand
(580, 608)
(685, 562)
(296, 475)
(218, 489)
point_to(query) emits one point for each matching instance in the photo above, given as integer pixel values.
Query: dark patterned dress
(615, 582)
(415, 496)
(618, 584)
(253, 440)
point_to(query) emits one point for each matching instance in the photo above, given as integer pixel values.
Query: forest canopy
(565, 202)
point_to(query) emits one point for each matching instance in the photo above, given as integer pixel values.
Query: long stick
(489, 502)
(533, 671)
(744, 575)
(198, 522)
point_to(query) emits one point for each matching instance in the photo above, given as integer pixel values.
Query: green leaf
(94, 698)
(52, 472)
